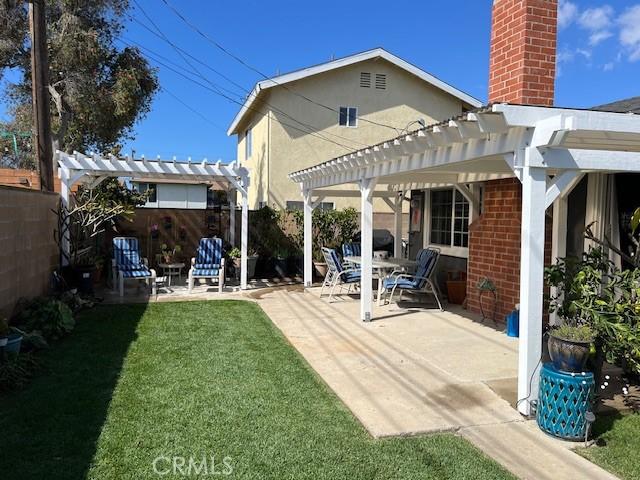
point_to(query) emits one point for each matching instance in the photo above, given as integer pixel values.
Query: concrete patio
(417, 370)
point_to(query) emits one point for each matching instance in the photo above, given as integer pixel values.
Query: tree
(98, 92)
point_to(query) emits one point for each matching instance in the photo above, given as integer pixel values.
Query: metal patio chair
(420, 281)
(208, 262)
(337, 274)
(127, 264)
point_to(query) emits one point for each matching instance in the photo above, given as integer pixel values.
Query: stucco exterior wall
(279, 149)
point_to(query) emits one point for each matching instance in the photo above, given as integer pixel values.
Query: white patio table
(383, 268)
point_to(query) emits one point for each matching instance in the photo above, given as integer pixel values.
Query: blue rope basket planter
(563, 401)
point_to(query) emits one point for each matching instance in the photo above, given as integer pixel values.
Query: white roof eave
(343, 62)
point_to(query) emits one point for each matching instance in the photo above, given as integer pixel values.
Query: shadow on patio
(408, 371)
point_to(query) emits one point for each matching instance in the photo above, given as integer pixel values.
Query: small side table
(563, 401)
(171, 269)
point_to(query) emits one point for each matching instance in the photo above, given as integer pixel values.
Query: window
(248, 140)
(348, 116)
(153, 196)
(294, 205)
(449, 219)
(365, 79)
(381, 81)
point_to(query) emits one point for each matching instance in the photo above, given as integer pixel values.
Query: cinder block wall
(28, 251)
(494, 245)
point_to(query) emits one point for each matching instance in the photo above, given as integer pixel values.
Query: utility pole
(40, 93)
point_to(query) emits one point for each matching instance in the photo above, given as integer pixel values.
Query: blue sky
(598, 50)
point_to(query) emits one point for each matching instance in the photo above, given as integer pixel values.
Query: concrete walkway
(422, 371)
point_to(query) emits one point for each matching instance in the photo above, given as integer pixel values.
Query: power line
(250, 67)
(206, 87)
(189, 107)
(184, 53)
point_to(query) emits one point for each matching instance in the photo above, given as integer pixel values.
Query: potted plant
(235, 264)
(169, 254)
(570, 346)
(154, 231)
(280, 255)
(4, 332)
(319, 264)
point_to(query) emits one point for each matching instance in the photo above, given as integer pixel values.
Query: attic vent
(381, 81)
(365, 79)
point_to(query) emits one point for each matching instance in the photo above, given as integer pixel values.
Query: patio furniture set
(393, 274)
(128, 264)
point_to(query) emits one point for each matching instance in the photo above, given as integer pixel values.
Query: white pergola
(90, 170)
(548, 149)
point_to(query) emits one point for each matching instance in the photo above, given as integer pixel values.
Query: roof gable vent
(381, 81)
(365, 79)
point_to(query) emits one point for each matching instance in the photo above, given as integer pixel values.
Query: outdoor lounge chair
(208, 262)
(426, 261)
(127, 264)
(337, 274)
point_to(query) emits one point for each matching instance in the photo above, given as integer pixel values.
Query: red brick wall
(522, 60)
(494, 245)
(17, 177)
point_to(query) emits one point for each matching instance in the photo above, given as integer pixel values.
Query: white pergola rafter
(548, 149)
(92, 169)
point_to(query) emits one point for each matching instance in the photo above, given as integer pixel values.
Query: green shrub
(16, 371)
(581, 333)
(593, 291)
(49, 317)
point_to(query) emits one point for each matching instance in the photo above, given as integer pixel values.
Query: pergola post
(531, 284)
(244, 237)
(65, 195)
(308, 238)
(397, 225)
(232, 217)
(367, 186)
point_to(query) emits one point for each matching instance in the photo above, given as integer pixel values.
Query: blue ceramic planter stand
(563, 401)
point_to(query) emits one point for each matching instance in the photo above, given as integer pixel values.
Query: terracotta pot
(321, 269)
(568, 355)
(456, 291)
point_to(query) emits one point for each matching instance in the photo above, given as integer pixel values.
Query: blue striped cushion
(126, 254)
(403, 283)
(140, 273)
(206, 266)
(209, 252)
(350, 277)
(205, 272)
(351, 249)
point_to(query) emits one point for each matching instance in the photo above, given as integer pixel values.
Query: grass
(135, 382)
(618, 440)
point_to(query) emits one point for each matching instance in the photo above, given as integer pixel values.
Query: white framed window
(152, 201)
(448, 221)
(348, 117)
(248, 143)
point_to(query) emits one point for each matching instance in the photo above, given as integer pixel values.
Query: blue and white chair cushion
(127, 263)
(336, 273)
(208, 262)
(426, 261)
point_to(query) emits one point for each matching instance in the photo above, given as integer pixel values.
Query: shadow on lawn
(51, 428)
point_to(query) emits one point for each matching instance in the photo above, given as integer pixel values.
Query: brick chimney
(522, 64)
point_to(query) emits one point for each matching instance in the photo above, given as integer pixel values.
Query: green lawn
(135, 382)
(619, 445)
